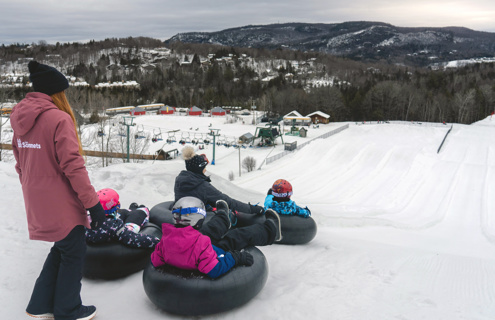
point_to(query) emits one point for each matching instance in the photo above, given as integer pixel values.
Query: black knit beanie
(196, 164)
(46, 79)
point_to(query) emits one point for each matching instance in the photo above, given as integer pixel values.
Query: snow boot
(133, 206)
(221, 205)
(273, 217)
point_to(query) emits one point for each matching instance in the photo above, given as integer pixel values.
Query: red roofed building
(195, 111)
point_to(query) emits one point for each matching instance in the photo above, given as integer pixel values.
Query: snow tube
(113, 260)
(190, 293)
(297, 230)
(162, 213)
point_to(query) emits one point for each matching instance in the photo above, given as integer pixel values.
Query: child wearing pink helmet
(121, 225)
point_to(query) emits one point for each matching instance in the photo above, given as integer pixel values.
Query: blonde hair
(60, 100)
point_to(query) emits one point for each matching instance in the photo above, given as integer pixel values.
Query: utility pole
(128, 121)
(239, 147)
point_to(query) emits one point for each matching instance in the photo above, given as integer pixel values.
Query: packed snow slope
(404, 232)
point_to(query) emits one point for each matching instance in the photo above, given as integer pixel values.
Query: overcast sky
(28, 21)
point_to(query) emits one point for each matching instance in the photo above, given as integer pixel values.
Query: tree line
(355, 91)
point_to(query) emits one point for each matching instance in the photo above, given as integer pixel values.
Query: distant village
(15, 74)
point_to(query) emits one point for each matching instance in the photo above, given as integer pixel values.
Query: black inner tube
(114, 260)
(191, 293)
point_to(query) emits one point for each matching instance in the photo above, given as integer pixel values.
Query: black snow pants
(217, 228)
(58, 287)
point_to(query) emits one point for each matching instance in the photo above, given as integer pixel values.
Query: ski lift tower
(128, 122)
(214, 133)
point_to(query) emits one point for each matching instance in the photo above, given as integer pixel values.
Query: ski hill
(405, 231)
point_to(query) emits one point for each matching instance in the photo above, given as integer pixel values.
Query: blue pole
(214, 144)
(128, 143)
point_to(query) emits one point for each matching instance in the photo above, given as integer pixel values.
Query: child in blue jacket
(278, 199)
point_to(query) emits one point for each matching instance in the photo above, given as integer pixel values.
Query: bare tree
(139, 143)
(464, 104)
(249, 163)
(2, 122)
(4, 115)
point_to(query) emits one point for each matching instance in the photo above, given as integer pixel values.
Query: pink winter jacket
(184, 248)
(54, 180)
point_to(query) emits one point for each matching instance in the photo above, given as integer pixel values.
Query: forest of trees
(360, 91)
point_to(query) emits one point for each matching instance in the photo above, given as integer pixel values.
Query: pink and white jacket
(184, 248)
(54, 180)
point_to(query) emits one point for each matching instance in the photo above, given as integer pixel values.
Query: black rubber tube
(190, 293)
(162, 213)
(295, 229)
(114, 260)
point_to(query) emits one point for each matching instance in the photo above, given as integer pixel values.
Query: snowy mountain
(404, 231)
(370, 41)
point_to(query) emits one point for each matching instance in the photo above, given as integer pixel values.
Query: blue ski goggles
(186, 211)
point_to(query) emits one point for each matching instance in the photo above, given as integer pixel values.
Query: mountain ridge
(358, 40)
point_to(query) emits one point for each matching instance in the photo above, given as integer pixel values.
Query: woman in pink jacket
(57, 192)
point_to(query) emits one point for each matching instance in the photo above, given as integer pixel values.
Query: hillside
(275, 78)
(368, 41)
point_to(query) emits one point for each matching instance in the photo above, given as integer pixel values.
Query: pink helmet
(109, 199)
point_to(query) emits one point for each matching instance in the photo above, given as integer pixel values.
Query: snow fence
(269, 160)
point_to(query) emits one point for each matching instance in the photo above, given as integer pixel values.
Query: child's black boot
(223, 208)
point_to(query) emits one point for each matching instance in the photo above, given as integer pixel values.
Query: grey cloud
(29, 21)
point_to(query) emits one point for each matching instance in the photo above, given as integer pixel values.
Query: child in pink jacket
(213, 248)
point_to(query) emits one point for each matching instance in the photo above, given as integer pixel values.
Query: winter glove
(258, 210)
(97, 215)
(242, 258)
(309, 211)
(269, 193)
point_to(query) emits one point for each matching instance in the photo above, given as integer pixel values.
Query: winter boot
(273, 217)
(233, 218)
(86, 313)
(223, 208)
(133, 206)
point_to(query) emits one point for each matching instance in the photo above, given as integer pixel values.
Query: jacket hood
(180, 239)
(25, 113)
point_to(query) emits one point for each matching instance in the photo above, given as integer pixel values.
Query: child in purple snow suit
(278, 199)
(121, 225)
(211, 248)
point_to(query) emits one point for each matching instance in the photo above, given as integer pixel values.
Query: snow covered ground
(404, 232)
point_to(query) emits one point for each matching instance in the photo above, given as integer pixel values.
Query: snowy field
(404, 232)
